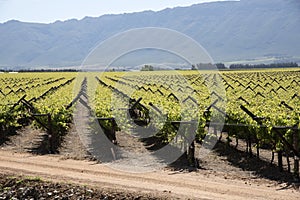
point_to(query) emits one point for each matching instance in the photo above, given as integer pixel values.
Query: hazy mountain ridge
(228, 30)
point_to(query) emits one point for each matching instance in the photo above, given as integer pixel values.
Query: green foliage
(177, 96)
(48, 93)
(267, 104)
(147, 68)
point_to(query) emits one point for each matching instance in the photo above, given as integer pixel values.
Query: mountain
(229, 31)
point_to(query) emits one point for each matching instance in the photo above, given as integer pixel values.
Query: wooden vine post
(51, 135)
(189, 140)
(280, 165)
(192, 129)
(259, 121)
(296, 158)
(191, 155)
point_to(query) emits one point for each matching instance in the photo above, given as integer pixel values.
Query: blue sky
(46, 11)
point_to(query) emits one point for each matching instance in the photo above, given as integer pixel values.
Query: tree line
(207, 66)
(255, 66)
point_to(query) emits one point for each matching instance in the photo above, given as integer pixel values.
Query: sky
(47, 11)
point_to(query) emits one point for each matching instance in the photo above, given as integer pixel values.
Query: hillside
(230, 31)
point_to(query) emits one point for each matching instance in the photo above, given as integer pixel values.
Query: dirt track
(174, 184)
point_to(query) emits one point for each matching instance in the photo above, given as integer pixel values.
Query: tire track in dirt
(183, 185)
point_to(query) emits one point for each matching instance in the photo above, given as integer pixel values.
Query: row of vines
(262, 107)
(37, 99)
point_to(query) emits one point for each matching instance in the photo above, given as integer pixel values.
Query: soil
(21, 187)
(26, 139)
(201, 184)
(226, 173)
(72, 147)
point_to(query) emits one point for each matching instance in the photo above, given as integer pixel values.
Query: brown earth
(195, 185)
(226, 173)
(22, 187)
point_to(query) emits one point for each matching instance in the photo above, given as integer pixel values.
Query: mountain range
(230, 31)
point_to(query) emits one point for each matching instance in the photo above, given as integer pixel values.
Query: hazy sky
(46, 11)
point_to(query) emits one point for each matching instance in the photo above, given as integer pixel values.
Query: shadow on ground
(242, 160)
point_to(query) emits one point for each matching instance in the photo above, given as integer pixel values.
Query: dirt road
(174, 184)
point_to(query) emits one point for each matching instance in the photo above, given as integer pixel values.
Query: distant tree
(220, 66)
(207, 66)
(147, 68)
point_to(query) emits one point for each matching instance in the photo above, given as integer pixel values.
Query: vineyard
(260, 107)
(37, 99)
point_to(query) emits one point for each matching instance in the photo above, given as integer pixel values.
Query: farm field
(251, 118)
